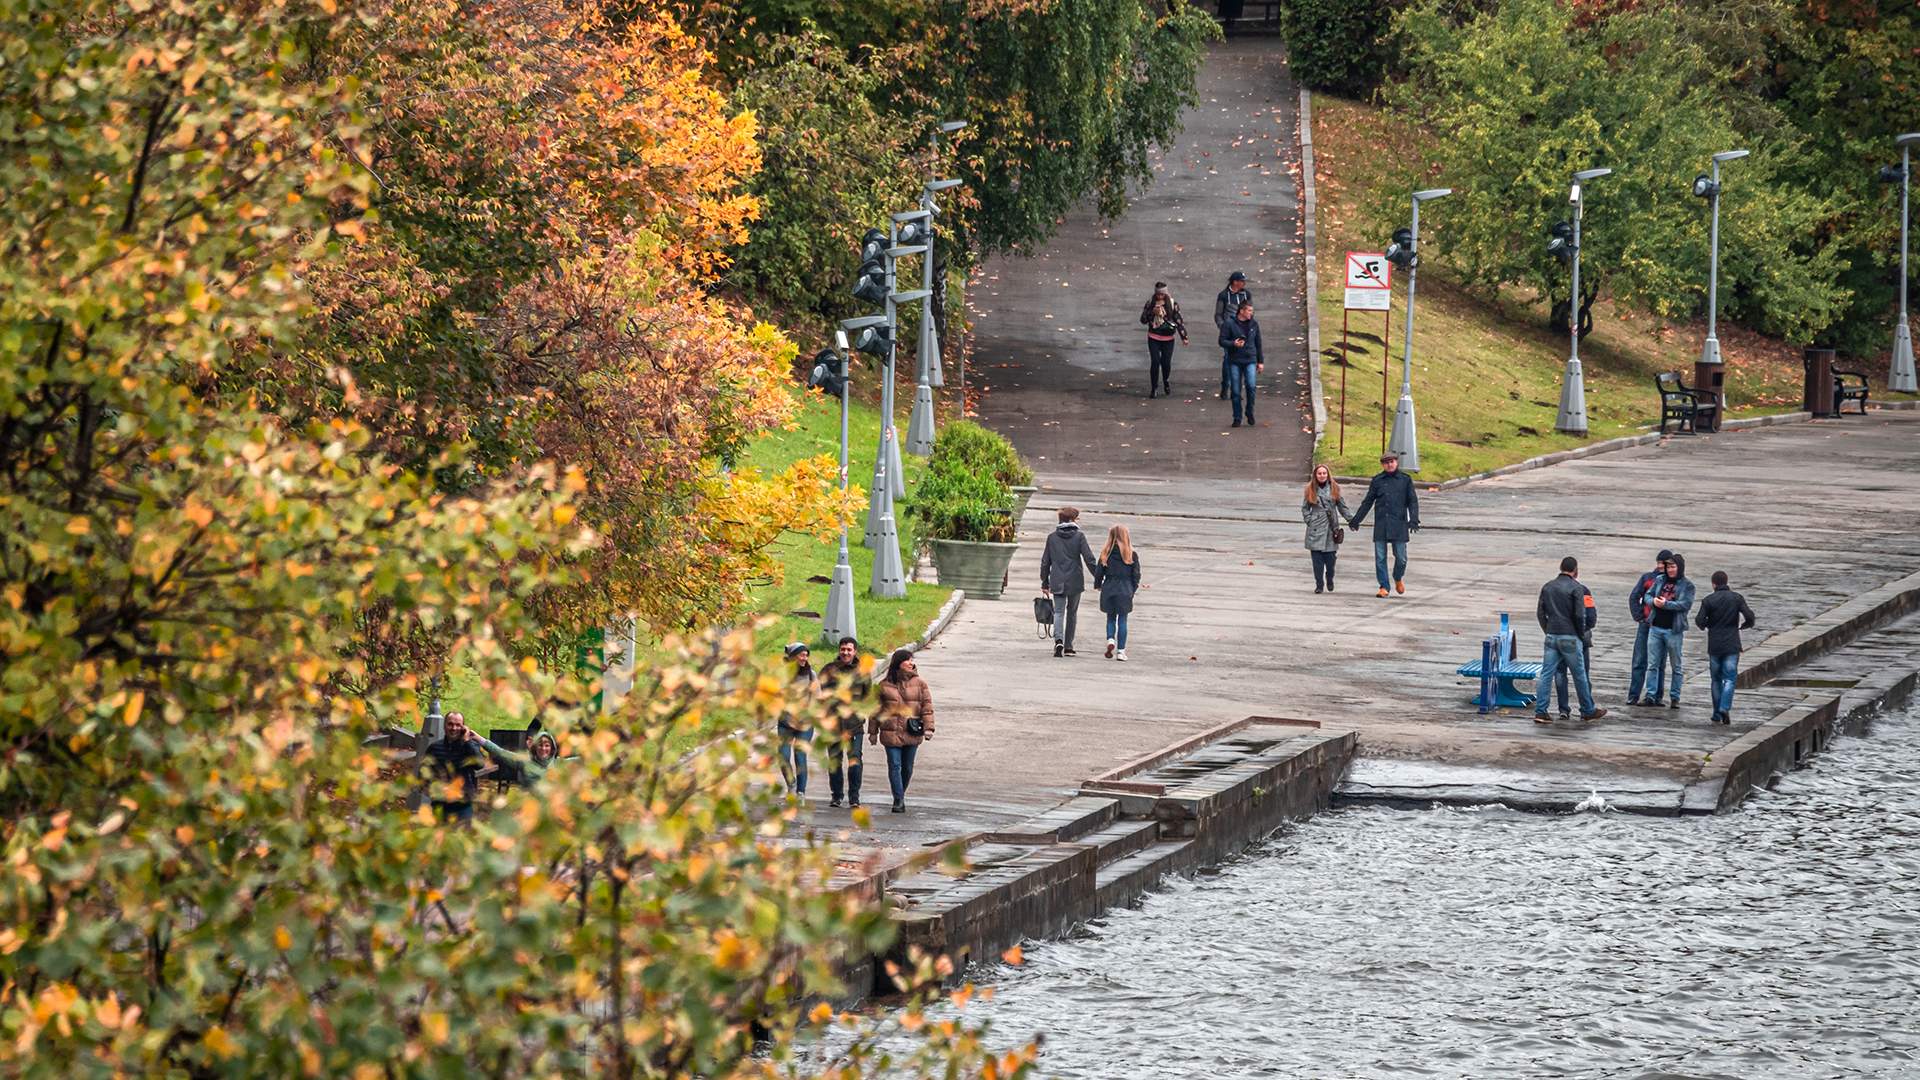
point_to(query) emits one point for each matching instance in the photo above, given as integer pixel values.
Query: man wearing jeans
(1723, 615)
(1563, 611)
(1060, 576)
(1670, 597)
(1225, 307)
(1399, 514)
(1642, 621)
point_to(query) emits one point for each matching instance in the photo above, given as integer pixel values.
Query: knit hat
(1236, 276)
(796, 648)
(1663, 556)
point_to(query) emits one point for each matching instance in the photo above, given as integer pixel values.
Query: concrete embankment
(1188, 807)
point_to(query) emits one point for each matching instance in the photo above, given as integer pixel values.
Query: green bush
(967, 445)
(1336, 45)
(955, 502)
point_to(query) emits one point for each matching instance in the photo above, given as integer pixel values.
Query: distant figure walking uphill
(1225, 307)
(1246, 357)
(1117, 578)
(1060, 576)
(1398, 518)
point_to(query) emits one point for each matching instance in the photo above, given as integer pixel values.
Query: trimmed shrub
(1336, 45)
(969, 446)
(954, 501)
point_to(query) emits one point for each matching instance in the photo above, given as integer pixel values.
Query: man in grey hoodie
(1061, 577)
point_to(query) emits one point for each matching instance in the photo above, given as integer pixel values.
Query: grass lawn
(1487, 371)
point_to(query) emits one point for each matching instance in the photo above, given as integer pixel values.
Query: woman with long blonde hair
(1323, 509)
(1117, 577)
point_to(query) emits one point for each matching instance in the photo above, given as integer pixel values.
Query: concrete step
(1125, 879)
(1121, 839)
(1071, 820)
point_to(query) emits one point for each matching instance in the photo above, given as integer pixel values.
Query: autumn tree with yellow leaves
(217, 223)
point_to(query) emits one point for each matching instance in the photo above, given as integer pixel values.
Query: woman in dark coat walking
(1117, 578)
(1323, 508)
(1161, 317)
(904, 721)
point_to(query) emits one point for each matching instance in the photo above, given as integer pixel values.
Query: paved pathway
(1059, 353)
(1802, 516)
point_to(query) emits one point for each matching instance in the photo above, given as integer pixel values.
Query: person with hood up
(1399, 517)
(1642, 614)
(1066, 552)
(1670, 596)
(1240, 337)
(1225, 307)
(1161, 317)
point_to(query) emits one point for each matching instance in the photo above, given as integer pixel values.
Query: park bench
(1498, 670)
(1684, 406)
(1849, 386)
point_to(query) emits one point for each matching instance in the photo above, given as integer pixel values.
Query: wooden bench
(1684, 406)
(1849, 386)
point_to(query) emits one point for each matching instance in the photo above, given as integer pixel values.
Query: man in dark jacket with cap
(1562, 611)
(1246, 358)
(1225, 307)
(1066, 552)
(1642, 613)
(1723, 614)
(1398, 518)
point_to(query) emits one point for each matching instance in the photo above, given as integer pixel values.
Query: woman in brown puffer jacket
(904, 721)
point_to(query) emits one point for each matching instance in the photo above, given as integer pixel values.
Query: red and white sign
(1369, 281)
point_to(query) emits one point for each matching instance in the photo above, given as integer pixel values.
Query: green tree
(1518, 97)
(1337, 45)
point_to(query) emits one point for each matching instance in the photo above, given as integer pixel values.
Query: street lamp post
(1901, 377)
(1405, 441)
(913, 231)
(929, 338)
(1573, 388)
(840, 621)
(1708, 187)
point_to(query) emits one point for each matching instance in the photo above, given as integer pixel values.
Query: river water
(1781, 940)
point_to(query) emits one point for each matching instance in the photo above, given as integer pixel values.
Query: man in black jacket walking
(1398, 518)
(1563, 611)
(1225, 307)
(1246, 358)
(1066, 552)
(1723, 615)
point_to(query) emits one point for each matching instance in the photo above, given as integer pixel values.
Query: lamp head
(874, 340)
(1909, 139)
(1705, 187)
(943, 185)
(871, 284)
(1585, 175)
(1730, 155)
(951, 126)
(1560, 241)
(873, 244)
(829, 371)
(1402, 252)
(1892, 174)
(912, 232)
(1432, 193)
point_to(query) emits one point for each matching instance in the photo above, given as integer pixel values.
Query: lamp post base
(920, 426)
(896, 476)
(1901, 377)
(839, 621)
(1405, 440)
(879, 502)
(1573, 402)
(889, 577)
(1710, 351)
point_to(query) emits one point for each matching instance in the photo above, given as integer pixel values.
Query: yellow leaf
(220, 1042)
(1014, 956)
(198, 513)
(821, 1013)
(79, 526)
(134, 704)
(282, 940)
(434, 1025)
(108, 1011)
(563, 514)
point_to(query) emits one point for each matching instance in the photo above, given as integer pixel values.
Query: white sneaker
(1109, 648)
(1120, 655)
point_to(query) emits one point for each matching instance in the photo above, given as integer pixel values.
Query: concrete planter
(1021, 493)
(978, 568)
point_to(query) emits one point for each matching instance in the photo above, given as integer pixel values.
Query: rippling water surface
(1782, 940)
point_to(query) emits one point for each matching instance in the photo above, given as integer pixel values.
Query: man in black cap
(1226, 307)
(1398, 518)
(1642, 612)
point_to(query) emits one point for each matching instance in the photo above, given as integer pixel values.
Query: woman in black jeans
(1323, 509)
(1161, 317)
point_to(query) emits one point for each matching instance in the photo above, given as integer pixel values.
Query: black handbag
(916, 727)
(1043, 613)
(1339, 534)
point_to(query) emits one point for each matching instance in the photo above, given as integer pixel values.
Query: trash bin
(1818, 398)
(1710, 380)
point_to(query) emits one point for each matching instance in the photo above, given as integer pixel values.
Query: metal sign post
(1369, 288)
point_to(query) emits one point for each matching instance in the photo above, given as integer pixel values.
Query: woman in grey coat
(1323, 508)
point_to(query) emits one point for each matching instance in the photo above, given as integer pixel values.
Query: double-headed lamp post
(1901, 376)
(1573, 388)
(839, 621)
(920, 424)
(1708, 188)
(929, 341)
(1405, 441)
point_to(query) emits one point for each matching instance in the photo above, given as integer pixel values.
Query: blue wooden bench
(1497, 669)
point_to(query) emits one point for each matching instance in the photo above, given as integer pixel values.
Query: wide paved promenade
(1802, 516)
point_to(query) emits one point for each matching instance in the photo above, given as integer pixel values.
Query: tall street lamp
(1708, 187)
(1573, 388)
(913, 235)
(1901, 377)
(832, 373)
(1405, 253)
(929, 340)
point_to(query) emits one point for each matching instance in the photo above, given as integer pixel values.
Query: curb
(939, 623)
(1829, 631)
(1622, 443)
(1309, 247)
